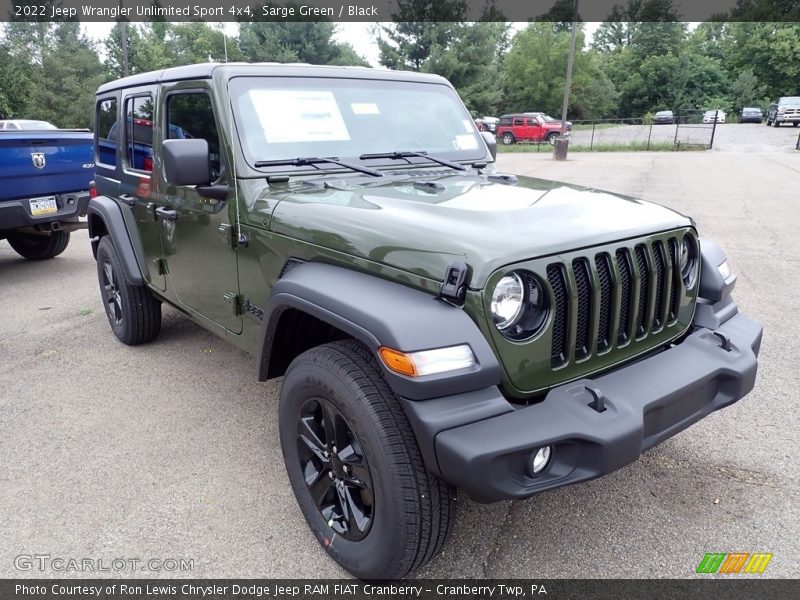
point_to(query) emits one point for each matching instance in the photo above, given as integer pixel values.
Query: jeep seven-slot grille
(609, 299)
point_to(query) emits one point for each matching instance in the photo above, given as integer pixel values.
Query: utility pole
(562, 142)
(123, 32)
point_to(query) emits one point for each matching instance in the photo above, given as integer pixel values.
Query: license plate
(43, 206)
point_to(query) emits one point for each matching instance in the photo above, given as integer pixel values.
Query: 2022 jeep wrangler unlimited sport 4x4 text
(437, 324)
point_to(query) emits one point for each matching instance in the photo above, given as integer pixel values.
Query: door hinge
(231, 237)
(235, 300)
(160, 265)
(228, 234)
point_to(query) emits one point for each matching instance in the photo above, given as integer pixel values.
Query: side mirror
(491, 143)
(186, 162)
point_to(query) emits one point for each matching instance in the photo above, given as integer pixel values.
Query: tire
(39, 247)
(402, 514)
(508, 138)
(775, 123)
(133, 312)
(551, 138)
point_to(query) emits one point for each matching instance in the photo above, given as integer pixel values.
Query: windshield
(790, 100)
(288, 117)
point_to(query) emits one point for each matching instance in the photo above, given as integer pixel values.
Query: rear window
(105, 127)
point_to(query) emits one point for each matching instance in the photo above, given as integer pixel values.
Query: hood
(485, 224)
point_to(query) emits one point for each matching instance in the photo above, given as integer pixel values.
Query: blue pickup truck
(45, 180)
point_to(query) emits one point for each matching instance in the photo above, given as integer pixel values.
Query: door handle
(167, 213)
(128, 199)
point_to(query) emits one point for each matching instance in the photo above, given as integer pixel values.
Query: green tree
(49, 71)
(471, 62)
(419, 27)
(535, 75)
(747, 91)
(198, 42)
(301, 41)
(770, 50)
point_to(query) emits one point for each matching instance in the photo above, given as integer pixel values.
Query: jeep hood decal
(420, 229)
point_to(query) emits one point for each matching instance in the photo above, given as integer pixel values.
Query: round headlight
(688, 260)
(507, 301)
(519, 305)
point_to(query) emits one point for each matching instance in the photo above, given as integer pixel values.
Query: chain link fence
(686, 131)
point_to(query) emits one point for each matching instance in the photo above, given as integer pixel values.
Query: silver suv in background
(785, 110)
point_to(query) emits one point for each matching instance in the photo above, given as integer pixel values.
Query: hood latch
(454, 286)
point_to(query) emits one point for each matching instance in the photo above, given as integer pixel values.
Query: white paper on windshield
(364, 108)
(466, 142)
(299, 116)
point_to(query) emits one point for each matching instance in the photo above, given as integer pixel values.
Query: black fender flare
(713, 286)
(378, 313)
(110, 214)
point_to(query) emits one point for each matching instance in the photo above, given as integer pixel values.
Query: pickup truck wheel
(133, 312)
(551, 138)
(39, 247)
(508, 138)
(355, 467)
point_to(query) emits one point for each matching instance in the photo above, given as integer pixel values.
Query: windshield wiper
(316, 160)
(410, 153)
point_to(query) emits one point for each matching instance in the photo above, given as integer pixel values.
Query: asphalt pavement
(171, 451)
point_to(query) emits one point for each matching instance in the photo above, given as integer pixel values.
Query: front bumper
(15, 215)
(645, 403)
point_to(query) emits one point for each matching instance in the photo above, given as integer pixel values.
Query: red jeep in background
(529, 127)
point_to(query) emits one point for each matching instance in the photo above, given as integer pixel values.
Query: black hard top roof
(206, 70)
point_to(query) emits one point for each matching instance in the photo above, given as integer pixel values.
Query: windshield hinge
(454, 286)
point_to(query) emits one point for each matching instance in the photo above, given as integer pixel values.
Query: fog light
(540, 460)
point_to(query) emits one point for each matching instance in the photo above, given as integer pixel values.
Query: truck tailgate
(44, 163)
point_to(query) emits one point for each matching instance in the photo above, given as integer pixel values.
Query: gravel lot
(171, 450)
(728, 137)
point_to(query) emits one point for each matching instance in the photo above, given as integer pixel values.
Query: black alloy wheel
(335, 469)
(111, 295)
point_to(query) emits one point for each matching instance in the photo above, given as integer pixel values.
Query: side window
(139, 132)
(190, 115)
(105, 126)
(518, 122)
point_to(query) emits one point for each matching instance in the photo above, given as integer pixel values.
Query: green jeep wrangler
(437, 324)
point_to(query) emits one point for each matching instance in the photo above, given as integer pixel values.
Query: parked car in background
(751, 115)
(784, 110)
(17, 124)
(487, 124)
(45, 176)
(529, 127)
(710, 115)
(490, 123)
(664, 117)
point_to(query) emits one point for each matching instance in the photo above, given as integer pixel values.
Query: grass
(600, 147)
